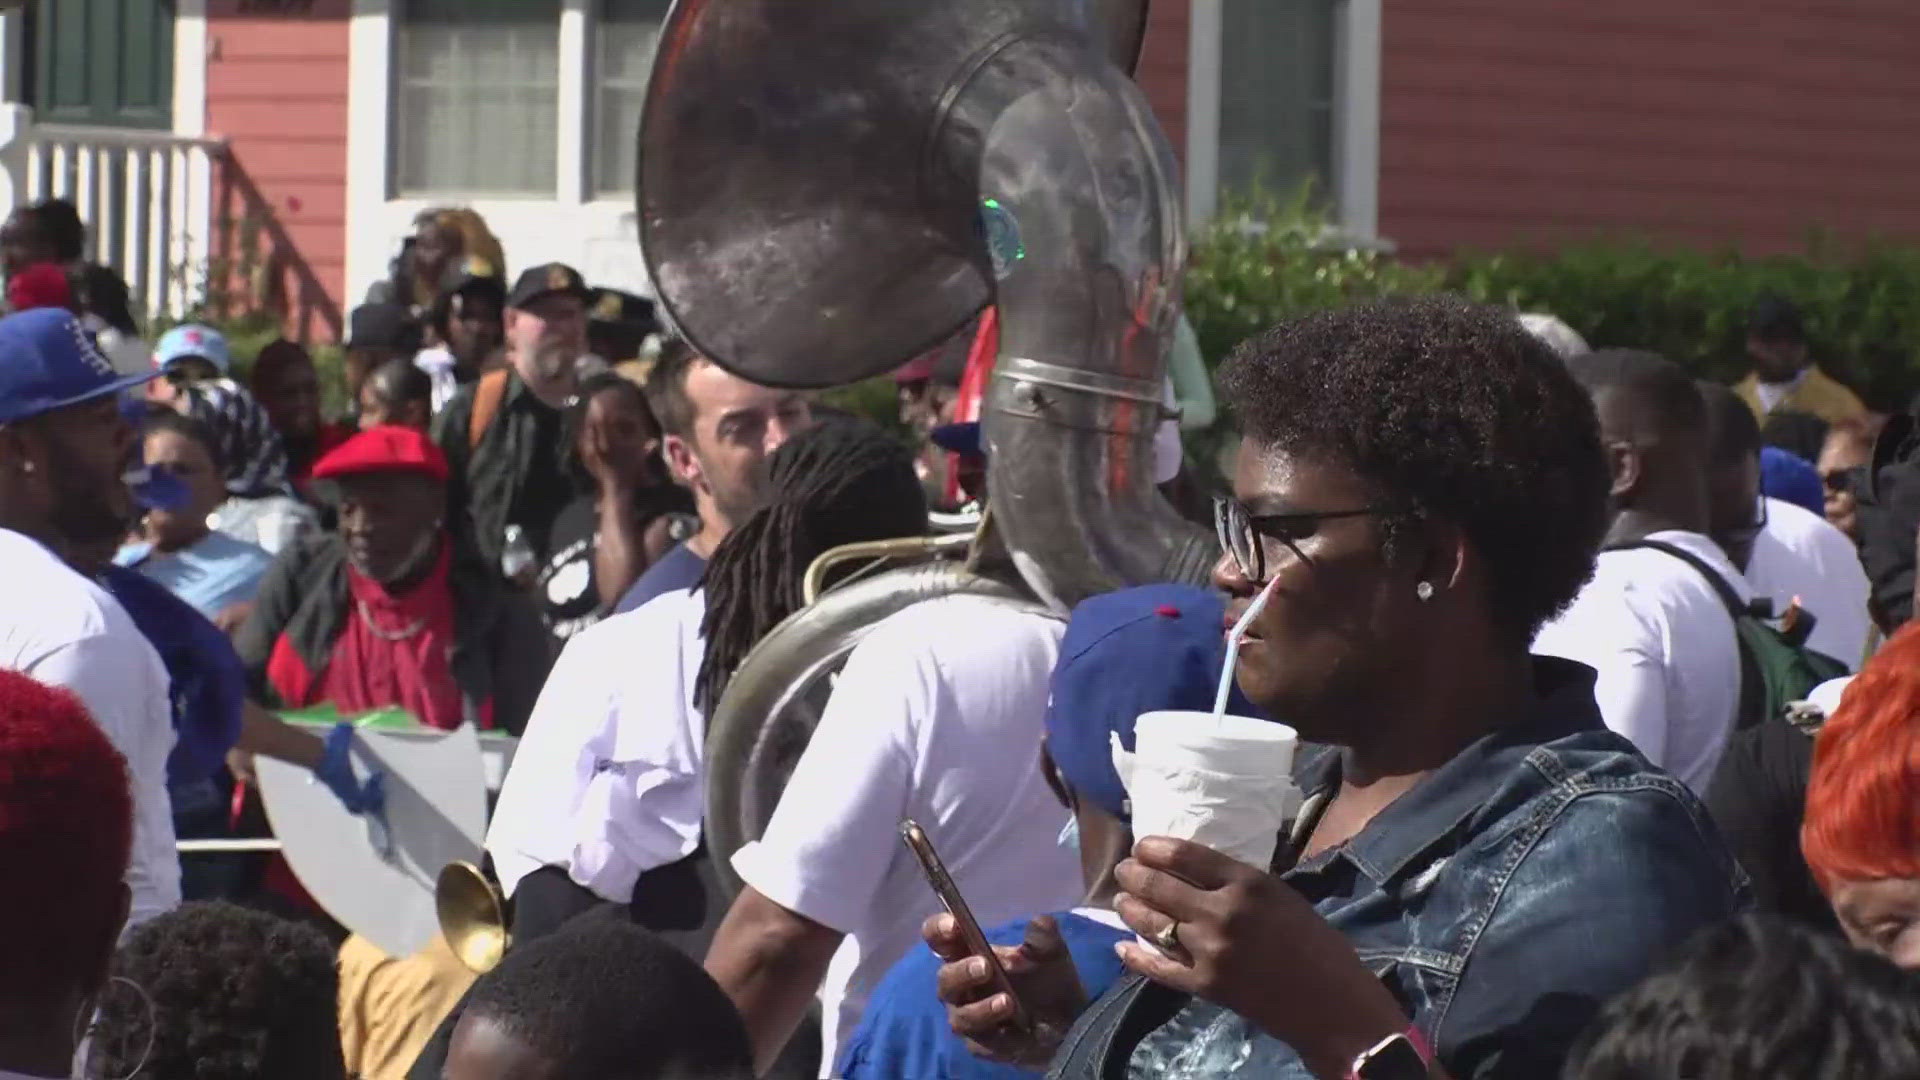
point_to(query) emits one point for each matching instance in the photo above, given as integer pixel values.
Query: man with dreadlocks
(604, 800)
(937, 716)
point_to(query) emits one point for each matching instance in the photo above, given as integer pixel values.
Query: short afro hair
(603, 998)
(1454, 411)
(1733, 434)
(1759, 997)
(1661, 396)
(66, 826)
(236, 994)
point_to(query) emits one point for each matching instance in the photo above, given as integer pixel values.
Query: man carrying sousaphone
(603, 805)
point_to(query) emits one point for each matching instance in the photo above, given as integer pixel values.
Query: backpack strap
(1736, 607)
(488, 396)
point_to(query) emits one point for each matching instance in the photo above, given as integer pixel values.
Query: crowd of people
(1606, 705)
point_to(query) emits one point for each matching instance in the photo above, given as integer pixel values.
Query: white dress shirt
(63, 630)
(607, 780)
(937, 717)
(1800, 554)
(1665, 648)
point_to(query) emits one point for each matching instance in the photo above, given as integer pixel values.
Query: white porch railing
(146, 196)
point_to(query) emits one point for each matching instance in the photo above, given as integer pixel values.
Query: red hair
(1863, 798)
(41, 285)
(66, 832)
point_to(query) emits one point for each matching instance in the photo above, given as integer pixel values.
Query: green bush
(1266, 257)
(1691, 305)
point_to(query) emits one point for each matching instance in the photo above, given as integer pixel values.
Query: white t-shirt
(438, 363)
(65, 631)
(1665, 649)
(607, 780)
(937, 717)
(1772, 394)
(1800, 554)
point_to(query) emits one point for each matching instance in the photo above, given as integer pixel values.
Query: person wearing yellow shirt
(1783, 378)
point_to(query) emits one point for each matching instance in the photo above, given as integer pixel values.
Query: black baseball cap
(473, 286)
(383, 326)
(1775, 318)
(548, 280)
(620, 308)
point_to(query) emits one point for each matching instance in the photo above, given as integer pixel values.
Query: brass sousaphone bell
(473, 915)
(828, 189)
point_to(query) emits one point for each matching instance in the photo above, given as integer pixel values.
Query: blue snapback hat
(48, 361)
(1126, 653)
(193, 339)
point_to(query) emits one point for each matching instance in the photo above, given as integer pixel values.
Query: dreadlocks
(841, 482)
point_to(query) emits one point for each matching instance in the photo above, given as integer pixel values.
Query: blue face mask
(1070, 834)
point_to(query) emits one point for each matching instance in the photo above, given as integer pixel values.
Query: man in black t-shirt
(503, 435)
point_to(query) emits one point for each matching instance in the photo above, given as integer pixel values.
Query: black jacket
(501, 648)
(518, 475)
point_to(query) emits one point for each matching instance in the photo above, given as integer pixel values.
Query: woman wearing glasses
(1480, 862)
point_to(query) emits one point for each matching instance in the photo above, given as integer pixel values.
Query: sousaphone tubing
(828, 188)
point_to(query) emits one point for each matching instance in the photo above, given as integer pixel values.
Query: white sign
(375, 874)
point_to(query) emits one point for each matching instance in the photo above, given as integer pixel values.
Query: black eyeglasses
(1240, 533)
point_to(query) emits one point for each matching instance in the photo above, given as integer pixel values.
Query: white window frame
(533, 229)
(1356, 115)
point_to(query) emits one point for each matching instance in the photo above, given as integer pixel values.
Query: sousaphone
(828, 189)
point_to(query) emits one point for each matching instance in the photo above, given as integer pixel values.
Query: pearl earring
(1424, 591)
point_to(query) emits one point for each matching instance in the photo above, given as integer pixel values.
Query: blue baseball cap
(1791, 478)
(1127, 653)
(48, 361)
(193, 339)
(960, 438)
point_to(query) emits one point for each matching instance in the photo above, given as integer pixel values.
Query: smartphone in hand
(942, 884)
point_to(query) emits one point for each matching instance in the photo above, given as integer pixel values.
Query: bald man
(1653, 622)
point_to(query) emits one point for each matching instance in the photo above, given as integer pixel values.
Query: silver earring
(1424, 591)
(27, 467)
(83, 1024)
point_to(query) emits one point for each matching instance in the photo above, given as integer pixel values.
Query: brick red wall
(1162, 73)
(277, 91)
(1527, 121)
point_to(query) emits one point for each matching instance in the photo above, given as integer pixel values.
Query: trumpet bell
(472, 914)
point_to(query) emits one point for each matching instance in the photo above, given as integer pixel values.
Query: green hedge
(1862, 304)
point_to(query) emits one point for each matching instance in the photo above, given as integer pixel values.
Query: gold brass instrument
(472, 914)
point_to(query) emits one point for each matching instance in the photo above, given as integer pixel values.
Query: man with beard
(719, 431)
(503, 436)
(64, 449)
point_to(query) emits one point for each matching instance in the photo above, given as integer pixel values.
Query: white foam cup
(1219, 780)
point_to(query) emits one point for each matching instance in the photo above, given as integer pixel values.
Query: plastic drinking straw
(1234, 638)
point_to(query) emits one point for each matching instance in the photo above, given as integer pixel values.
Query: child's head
(601, 999)
(1758, 998)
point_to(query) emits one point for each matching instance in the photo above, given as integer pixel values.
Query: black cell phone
(942, 884)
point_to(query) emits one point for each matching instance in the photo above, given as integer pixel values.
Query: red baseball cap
(387, 448)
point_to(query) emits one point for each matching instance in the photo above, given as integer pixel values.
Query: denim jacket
(1544, 869)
